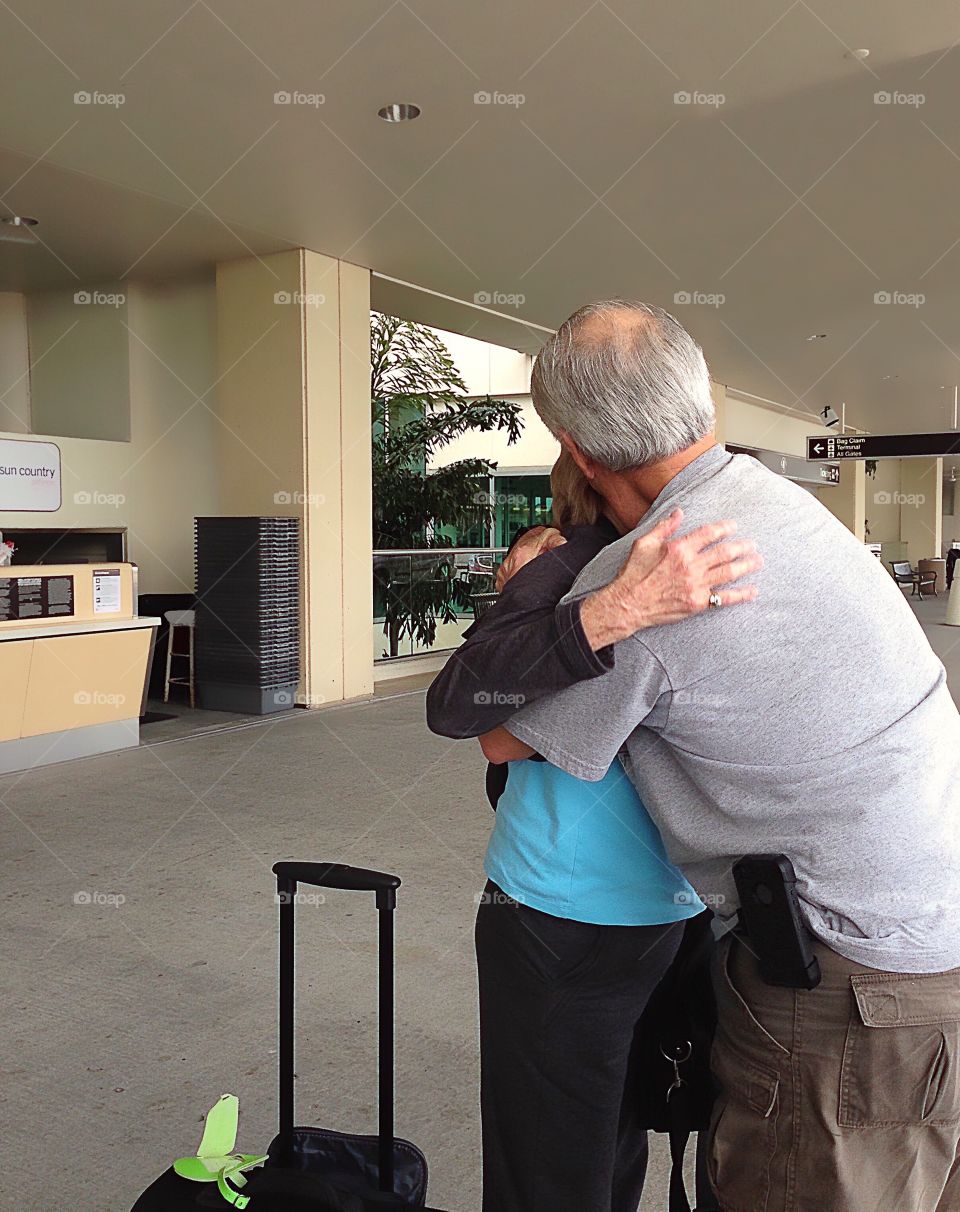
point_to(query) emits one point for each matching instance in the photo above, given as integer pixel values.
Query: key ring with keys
(677, 1055)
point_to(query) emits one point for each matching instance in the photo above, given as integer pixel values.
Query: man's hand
(534, 542)
(665, 580)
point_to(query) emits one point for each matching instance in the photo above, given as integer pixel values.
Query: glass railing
(424, 600)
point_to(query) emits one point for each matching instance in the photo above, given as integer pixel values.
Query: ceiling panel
(734, 154)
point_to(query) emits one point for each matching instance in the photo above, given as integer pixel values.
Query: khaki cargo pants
(844, 1098)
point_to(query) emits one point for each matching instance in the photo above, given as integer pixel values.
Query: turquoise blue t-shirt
(584, 851)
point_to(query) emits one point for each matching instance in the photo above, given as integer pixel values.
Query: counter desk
(74, 661)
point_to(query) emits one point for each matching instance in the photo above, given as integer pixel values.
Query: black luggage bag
(316, 1169)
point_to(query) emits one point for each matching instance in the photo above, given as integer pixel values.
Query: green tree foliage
(419, 405)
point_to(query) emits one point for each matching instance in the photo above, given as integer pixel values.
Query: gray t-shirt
(815, 722)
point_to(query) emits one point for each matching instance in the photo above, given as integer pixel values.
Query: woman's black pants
(559, 1004)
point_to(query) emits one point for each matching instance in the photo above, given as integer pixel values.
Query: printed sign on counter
(29, 476)
(106, 590)
(59, 596)
(35, 597)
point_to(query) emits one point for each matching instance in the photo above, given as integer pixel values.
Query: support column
(921, 508)
(338, 472)
(719, 393)
(847, 501)
(293, 399)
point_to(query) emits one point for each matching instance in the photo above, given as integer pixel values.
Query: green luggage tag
(215, 1159)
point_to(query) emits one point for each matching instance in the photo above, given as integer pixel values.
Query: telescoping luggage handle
(353, 879)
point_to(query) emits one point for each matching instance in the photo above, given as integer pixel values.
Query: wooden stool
(185, 619)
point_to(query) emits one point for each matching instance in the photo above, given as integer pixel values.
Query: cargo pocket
(901, 1053)
(744, 1129)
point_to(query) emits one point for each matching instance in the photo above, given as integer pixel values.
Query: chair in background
(904, 574)
(180, 620)
(482, 602)
(939, 570)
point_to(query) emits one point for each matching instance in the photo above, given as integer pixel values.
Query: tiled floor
(138, 947)
(185, 721)
(944, 640)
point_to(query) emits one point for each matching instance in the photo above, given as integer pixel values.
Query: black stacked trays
(248, 613)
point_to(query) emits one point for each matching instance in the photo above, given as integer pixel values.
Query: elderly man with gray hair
(816, 723)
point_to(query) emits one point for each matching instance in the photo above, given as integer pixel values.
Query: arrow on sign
(819, 448)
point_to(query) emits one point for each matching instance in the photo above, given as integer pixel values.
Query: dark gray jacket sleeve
(527, 645)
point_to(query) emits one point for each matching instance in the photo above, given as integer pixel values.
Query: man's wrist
(608, 616)
(578, 656)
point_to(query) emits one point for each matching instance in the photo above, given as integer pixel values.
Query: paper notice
(106, 590)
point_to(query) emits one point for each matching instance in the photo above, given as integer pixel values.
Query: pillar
(293, 399)
(847, 501)
(921, 508)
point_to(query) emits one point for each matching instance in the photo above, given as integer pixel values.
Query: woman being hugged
(582, 912)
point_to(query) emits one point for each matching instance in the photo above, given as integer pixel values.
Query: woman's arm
(522, 649)
(500, 746)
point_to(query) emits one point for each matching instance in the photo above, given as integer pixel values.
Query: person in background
(582, 912)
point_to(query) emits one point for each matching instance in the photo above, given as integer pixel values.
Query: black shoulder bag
(675, 1086)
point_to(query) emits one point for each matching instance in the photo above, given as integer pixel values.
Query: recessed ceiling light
(817, 336)
(16, 229)
(399, 111)
(861, 54)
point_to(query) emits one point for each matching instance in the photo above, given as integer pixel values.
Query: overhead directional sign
(884, 446)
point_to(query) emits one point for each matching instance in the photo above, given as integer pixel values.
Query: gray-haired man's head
(626, 382)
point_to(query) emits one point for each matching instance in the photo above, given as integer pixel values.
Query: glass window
(475, 535)
(520, 501)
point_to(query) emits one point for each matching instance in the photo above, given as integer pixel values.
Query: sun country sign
(29, 476)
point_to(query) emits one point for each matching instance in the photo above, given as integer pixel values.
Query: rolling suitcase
(317, 1169)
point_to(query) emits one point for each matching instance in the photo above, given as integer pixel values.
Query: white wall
(488, 369)
(536, 447)
(80, 362)
(14, 365)
(157, 482)
(171, 476)
(504, 373)
(883, 502)
(749, 424)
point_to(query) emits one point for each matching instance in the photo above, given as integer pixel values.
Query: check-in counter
(74, 660)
